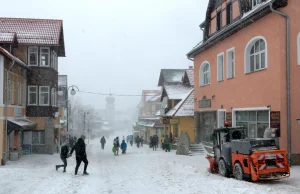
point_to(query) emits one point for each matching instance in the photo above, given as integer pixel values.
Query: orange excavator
(247, 159)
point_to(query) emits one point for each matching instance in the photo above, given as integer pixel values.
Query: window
(20, 92)
(45, 56)
(32, 56)
(230, 63)
(204, 74)
(32, 95)
(256, 55)
(11, 90)
(256, 2)
(38, 137)
(44, 95)
(54, 60)
(220, 60)
(255, 122)
(53, 97)
(219, 20)
(229, 13)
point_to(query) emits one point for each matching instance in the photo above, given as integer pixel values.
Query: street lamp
(85, 112)
(73, 92)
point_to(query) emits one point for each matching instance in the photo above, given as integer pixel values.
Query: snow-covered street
(141, 170)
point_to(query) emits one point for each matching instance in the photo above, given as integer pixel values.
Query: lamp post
(73, 92)
(85, 112)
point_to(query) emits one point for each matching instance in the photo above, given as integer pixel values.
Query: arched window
(256, 55)
(204, 74)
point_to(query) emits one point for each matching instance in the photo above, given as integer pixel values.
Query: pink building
(247, 70)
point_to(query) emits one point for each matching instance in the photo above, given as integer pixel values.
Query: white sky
(119, 45)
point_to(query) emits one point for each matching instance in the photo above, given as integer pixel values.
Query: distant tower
(110, 109)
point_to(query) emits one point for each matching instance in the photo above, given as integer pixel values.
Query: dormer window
(229, 13)
(256, 2)
(219, 20)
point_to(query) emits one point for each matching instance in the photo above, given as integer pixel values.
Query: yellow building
(180, 118)
(177, 113)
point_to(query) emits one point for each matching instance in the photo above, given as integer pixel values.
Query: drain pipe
(288, 78)
(6, 102)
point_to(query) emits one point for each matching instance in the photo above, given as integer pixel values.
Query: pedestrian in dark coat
(103, 142)
(116, 145)
(80, 153)
(154, 142)
(63, 156)
(167, 144)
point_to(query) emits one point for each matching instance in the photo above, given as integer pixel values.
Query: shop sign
(17, 112)
(229, 118)
(174, 121)
(205, 103)
(275, 121)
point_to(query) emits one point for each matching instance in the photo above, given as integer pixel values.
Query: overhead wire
(128, 95)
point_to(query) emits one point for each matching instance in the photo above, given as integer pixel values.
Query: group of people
(153, 142)
(139, 141)
(80, 152)
(116, 146)
(166, 142)
(130, 139)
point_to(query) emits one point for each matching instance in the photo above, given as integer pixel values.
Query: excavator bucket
(213, 167)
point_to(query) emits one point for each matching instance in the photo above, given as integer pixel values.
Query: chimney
(191, 67)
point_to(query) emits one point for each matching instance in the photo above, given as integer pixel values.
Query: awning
(20, 124)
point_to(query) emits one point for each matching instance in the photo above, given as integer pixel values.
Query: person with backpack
(123, 147)
(116, 146)
(63, 156)
(103, 142)
(80, 155)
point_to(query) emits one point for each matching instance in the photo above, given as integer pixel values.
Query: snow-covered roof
(35, 31)
(12, 57)
(146, 123)
(176, 92)
(155, 98)
(190, 75)
(183, 106)
(171, 76)
(7, 37)
(187, 107)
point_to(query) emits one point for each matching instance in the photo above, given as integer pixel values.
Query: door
(221, 118)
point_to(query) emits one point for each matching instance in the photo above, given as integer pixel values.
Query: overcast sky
(119, 45)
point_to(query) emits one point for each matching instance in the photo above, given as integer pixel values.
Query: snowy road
(139, 171)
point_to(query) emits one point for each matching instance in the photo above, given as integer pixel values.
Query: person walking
(163, 142)
(116, 146)
(80, 153)
(123, 147)
(131, 140)
(63, 156)
(167, 143)
(103, 142)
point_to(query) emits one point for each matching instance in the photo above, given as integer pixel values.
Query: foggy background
(119, 45)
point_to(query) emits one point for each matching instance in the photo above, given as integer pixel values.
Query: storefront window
(255, 122)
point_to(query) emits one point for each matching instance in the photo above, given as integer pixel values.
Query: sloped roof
(7, 37)
(35, 31)
(190, 75)
(170, 76)
(187, 107)
(176, 92)
(155, 98)
(186, 102)
(12, 57)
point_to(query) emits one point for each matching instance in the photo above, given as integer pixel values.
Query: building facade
(246, 70)
(40, 43)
